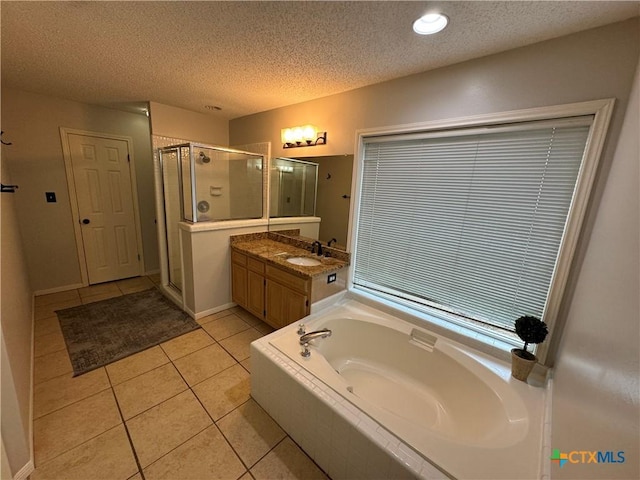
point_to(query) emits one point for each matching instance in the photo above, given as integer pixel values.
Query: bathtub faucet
(307, 337)
(322, 333)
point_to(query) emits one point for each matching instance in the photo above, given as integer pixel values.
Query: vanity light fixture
(303, 136)
(430, 24)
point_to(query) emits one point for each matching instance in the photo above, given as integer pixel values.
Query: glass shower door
(171, 184)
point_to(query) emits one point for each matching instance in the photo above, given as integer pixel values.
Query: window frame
(600, 109)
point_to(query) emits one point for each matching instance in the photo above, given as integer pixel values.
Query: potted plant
(530, 330)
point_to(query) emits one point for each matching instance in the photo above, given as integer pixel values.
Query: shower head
(204, 158)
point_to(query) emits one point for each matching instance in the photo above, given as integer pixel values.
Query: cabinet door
(296, 306)
(284, 306)
(255, 294)
(274, 304)
(239, 284)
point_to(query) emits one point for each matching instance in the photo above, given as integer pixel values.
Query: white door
(105, 206)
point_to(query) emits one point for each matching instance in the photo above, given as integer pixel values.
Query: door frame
(73, 198)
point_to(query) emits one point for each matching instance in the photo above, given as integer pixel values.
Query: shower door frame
(160, 202)
(165, 227)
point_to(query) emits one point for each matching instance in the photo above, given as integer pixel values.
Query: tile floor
(181, 410)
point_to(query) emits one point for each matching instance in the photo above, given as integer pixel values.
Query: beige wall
(16, 313)
(177, 122)
(595, 404)
(32, 123)
(589, 65)
(330, 206)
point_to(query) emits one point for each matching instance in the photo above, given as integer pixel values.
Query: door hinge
(264, 282)
(306, 304)
(138, 257)
(128, 158)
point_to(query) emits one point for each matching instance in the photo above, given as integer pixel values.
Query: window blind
(468, 222)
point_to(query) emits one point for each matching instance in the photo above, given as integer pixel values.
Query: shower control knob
(86, 221)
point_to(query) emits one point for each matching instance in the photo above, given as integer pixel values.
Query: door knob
(86, 221)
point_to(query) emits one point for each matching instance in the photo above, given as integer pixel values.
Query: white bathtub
(431, 402)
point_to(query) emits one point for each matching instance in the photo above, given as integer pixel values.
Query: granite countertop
(276, 253)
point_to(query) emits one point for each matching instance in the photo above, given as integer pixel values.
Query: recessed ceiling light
(430, 23)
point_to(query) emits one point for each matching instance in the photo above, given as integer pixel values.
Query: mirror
(293, 188)
(332, 199)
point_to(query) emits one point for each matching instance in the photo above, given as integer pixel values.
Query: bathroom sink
(304, 261)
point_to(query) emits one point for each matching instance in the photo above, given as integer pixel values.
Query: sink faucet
(307, 337)
(313, 247)
(333, 240)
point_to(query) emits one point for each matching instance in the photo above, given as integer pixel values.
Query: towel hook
(2, 141)
(8, 188)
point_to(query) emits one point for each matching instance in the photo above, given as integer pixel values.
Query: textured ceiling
(248, 57)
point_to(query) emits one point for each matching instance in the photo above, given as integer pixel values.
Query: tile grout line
(188, 387)
(171, 361)
(126, 429)
(54, 351)
(153, 406)
(72, 403)
(232, 356)
(138, 375)
(307, 455)
(239, 362)
(248, 467)
(178, 446)
(53, 378)
(186, 355)
(213, 422)
(109, 387)
(286, 435)
(45, 462)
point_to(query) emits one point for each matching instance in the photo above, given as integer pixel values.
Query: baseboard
(47, 291)
(25, 471)
(152, 272)
(211, 311)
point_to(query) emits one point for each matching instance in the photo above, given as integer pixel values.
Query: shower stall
(204, 183)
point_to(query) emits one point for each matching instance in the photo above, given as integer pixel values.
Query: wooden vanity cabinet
(287, 298)
(239, 278)
(255, 287)
(270, 293)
